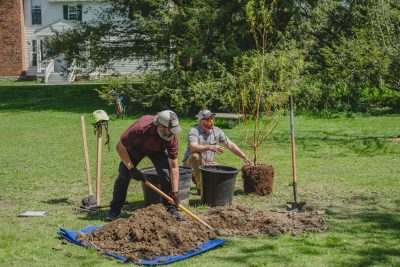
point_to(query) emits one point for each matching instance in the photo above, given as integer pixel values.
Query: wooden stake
(98, 169)
(85, 148)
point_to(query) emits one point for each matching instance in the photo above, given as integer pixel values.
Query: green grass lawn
(348, 167)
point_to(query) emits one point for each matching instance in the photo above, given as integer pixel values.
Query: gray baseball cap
(204, 114)
(169, 119)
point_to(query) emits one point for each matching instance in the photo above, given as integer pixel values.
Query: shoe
(111, 216)
(176, 215)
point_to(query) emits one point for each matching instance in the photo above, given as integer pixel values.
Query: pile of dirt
(239, 220)
(148, 232)
(152, 231)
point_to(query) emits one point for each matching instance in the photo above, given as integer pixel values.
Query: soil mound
(239, 220)
(152, 231)
(148, 232)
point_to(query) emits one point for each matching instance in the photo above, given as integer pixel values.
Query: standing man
(154, 137)
(203, 143)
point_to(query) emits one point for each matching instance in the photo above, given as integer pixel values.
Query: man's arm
(174, 168)
(236, 150)
(124, 156)
(196, 148)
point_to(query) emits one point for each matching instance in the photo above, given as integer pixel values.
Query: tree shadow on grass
(59, 201)
(378, 231)
(238, 192)
(246, 256)
(312, 141)
(126, 210)
(79, 98)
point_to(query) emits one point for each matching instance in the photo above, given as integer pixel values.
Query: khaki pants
(194, 161)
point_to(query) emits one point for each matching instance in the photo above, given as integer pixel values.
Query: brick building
(26, 25)
(12, 45)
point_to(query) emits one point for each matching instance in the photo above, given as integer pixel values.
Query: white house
(39, 20)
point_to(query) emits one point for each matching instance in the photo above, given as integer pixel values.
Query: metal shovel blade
(296, 206)
(88, 201)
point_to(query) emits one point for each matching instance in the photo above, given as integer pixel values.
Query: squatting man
(154, 137)
(203, 143)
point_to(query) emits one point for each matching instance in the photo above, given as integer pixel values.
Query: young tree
(264, 76)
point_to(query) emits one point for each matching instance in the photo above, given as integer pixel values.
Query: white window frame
(36, 9)
(34, 61)
(73, 15)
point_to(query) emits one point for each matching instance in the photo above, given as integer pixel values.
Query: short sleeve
(193, 136)
(222, 137)
(172, 148)
(129, 137)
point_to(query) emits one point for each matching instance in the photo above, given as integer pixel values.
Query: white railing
(49, 69)
(72, 69)
(42, 65)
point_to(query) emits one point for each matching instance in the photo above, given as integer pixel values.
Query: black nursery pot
(151, 197)
(218, 185)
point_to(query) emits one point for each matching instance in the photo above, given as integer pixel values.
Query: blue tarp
(71, 237)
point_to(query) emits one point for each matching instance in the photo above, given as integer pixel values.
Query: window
(36, 15)
(34, 53)
(72, 12)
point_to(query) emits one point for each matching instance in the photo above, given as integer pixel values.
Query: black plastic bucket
(218, 185)
(151, 197)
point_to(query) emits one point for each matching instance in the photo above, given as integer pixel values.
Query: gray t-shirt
(198, 136)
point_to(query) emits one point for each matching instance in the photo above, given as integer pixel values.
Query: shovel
(88, 200)
(294, 206)
(169, 199)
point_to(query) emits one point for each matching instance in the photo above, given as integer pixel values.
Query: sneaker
(111, 216)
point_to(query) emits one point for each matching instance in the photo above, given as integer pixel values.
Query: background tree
(350, 50)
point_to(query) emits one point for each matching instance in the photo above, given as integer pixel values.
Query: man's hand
(216, 148)
(175, 197)
(248, 162)
(136, 174)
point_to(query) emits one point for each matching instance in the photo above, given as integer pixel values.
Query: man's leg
(160, 162)
(194, 161)
(121, 185)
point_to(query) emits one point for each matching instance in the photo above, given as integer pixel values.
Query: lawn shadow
(313, 140)
(238, 192)
(245, 255)
(125, 213)
(79, 98)
(378, 229)
(59, 201)
(195, 202)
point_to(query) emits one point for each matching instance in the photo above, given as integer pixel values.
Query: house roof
(58, 26)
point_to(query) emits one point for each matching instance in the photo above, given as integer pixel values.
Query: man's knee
(196, 157)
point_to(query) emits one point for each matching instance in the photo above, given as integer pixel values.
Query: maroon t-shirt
(142, 137)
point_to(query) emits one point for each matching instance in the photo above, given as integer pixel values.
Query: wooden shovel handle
(85, 148)
(169, 199)
(98, 167)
